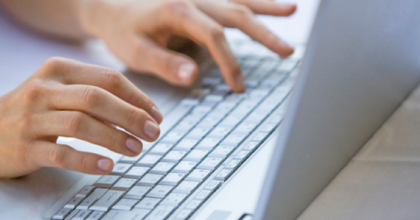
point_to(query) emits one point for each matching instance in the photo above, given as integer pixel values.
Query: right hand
(71, 99)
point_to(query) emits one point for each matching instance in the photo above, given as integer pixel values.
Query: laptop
(267, 153)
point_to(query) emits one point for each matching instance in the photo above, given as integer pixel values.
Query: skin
(71, 99)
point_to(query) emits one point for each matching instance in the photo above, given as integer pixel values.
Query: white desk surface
(381, 182)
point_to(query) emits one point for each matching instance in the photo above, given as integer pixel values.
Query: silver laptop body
(362, 61)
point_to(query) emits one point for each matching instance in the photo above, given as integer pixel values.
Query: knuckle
(112, 78)
(114, 140)
(53, 64)
(85, 162)
(241, 12)
(58, 156)
(91, 97)
(216, 32)
(133, 117)
(179, 8)
(34, 90)
(74, 123)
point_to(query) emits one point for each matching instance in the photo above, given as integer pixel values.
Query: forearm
(58, 18)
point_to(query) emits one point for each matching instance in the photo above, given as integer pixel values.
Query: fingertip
(105, 165)
(156, 114)
(186, 73)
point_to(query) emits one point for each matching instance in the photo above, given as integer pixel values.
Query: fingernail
(155, 113)
(240, 82)
(286, 45)
(104, 164)
(151, 130)
(185, 71)
(133, 145)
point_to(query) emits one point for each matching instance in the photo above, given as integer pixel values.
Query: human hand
(137, 32)
(72, 99)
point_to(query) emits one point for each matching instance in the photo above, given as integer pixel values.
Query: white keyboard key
(200, 110)
(186, 187)
(160, 212)
(62, 213)
(96, 215)
(106, 181)
(242, 154)
(251, 145)
(162, 168)
(198, 175)
(184, 214)
(132, 160)
(150, 179)
(159, 191)
(210, 121)
(149, 160)
(256, 117)
(269, 127)
(233, 164)
(186, 144)
(173, 137)
(231, 120)
(234, 139)
(286, 66)
(147, 203)
(210, 163)
(72, 214)
(174, 156)
(172, 179)
(137, 192)
(210, 81)
(82, 215)
(185, 125)
(204, 194)
(135, 214)
(245, 128)
(92, 198)
(260, 136)
(136, 172)
(224, 107)
(184, 167)
(124, 184)
(194, 204)
(208, 143)
(173, 199)
(125, 204)
(107, 200)
(85, 191)
(198, 133)
(161, 148)
(219, 132)
(73, 202)
(120, 168)
(214, 184)
(223, 175)
(221, 151)
(196, 155)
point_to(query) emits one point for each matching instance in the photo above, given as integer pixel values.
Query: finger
(175, 68)
(106, 106)
(193, 23)
(234, 15)
(268, 7)
(48, 154)
(84, 127)
(73, 72)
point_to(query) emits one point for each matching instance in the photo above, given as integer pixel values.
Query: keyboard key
(204, 194)
(233, 139)
(96, 215)
(124, 184)
(251, 84)
(173, 137)
(82, 215)
(150, 179)
(213, 98)
(220, 132)
(106, 181)
(173, 199)
(136, 172)
(221, 151)
(92, 198)
(85, 191)
(174, 156)
(260, 136)
(214, 184)
(208, 143)
(184, 167)
(185, 125)
(269, 127)
(210, 81)
(161, 149)
(137, 192)
(242, 154)
(184, 214)
(160, 212)
(62, 213)
(201, 110)
(198, 133)
(132, 160)
(196, 155)
(73, 202)
(245, 128)
(194, 204)
(159, 191)
(147, 203)
(256, 117)
(233, 164)
(223, 175)
(196, 95)
(125, 204)
(149, 160)
(186, 187)
(172, 179)
(162, 168)
(135, 214)
(286, 66)
(120, 168)
(107, 200)
(224, 108)
(210, 121)
(210, 163)
(186, 144)
(72, 214)
(231, 120)
(198, 175)
(251, 145)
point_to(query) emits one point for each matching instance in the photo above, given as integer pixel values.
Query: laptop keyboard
(216, 133)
